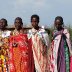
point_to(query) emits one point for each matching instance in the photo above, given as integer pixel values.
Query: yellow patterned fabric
(4, 50)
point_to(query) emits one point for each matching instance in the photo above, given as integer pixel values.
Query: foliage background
(50, 31)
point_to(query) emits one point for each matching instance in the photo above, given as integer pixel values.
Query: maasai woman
(4, 46)
(60, 47)
(40, 43)
(21, 59)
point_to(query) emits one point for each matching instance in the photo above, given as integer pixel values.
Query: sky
(46, 9)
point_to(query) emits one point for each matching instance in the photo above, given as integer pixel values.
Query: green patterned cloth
(66, 56)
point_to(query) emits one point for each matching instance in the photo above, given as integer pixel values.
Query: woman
(60, 48)
(21, 59)
(40, 44)
(4, 46)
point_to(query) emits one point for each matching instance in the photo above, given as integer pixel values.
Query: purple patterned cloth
(61, 57)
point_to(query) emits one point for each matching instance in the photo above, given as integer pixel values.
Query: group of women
(32, 51)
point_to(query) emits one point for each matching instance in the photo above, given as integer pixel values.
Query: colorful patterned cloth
(60, 52)
(4, 51)
(21, 59)
(40, 43)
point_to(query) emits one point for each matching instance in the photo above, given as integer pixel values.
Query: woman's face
(34, 22)
(58, 24)
(2, 24)
(18, 24)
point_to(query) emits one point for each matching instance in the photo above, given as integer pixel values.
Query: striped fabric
(60, 52)
(39, 48)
